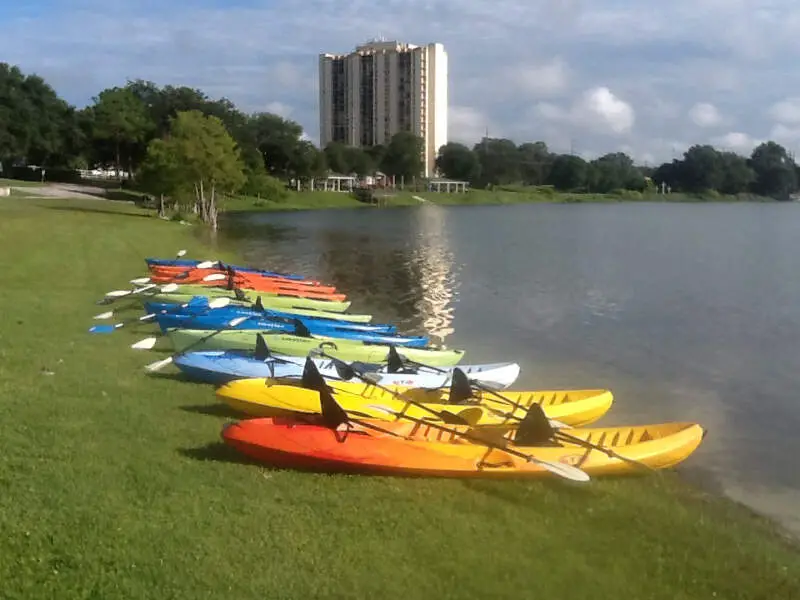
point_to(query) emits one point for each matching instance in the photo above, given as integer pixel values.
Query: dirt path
(62, 190)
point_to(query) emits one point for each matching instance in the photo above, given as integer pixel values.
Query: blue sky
(643, 76)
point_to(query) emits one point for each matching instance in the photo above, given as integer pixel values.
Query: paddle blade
(118, 293)
(215, 277)
(452, 419)
(145, 344)
(180, 253)
(103, 316)
(169, 288)
(219, 302)
(148, 317)
(140, 281)
(371, 377)
(562, 470)
(206, 264)
(102, 329)
(158, 365)
(237, 321)
(471, 415)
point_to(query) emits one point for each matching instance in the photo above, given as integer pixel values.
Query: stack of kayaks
(321, 388)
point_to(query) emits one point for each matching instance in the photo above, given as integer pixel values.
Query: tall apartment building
(381, 88)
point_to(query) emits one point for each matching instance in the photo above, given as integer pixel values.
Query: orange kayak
(409, 448)
(173, 271)
(257, 284)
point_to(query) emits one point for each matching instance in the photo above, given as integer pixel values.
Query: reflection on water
(686, 312)
(411, 283)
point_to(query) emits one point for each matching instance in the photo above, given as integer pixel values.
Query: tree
(403, 157)
(737, 175)
(199, 154)
(276, 138)
(568, 172)
(36, 126)
(614, 171)
(359, 161)
(775, 172)
(499, 160)
(120, 118)
(456, 161)
(336, 157)
(306, 161)
(701, 169)
(534, 163)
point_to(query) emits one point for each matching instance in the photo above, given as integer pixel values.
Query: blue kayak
(200, 307)
(291, 326)
(188, 263)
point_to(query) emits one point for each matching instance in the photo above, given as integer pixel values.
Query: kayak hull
(326, 309)
(227, 313)
(220, 366)
(240, 278)
(266, 397)
(256, 325)
(426, 451)
(178, 300)
(262, 285)
(187, 263)
(292, 345)
(267, 298)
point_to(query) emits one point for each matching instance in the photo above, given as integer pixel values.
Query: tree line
(175, 141)
(769, 170)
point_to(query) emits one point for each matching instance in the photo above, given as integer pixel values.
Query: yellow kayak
(265, 398)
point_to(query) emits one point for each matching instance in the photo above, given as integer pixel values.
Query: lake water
(686, 312)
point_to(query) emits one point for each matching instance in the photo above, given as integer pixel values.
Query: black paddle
(334, 416)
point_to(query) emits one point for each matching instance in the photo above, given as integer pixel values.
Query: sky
(647, 77)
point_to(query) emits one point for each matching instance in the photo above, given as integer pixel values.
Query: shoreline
(298, 201)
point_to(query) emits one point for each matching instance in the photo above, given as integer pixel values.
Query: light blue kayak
(220, 366)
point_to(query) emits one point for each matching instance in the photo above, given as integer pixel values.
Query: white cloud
(786, 111)
(704, 114)
(736, 141)
(597, 109)
(278, 108)
(783, 134)
(468, 125)
(600, 107)
(538, 81)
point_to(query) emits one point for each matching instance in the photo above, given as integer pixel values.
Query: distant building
(381, 88)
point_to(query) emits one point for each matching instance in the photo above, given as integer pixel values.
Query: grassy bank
(113, 484)
(512, 195)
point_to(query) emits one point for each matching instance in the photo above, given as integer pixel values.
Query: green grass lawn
(114, 484)
(17, 183)
(307, 200)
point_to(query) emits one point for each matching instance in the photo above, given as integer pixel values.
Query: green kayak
(275, 300)
(292, 345)
(269, 303)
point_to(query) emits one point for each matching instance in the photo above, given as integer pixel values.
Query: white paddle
(164, 289)
(149, 343)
